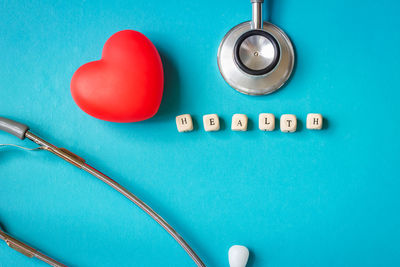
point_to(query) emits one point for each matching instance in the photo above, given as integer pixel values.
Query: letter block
(239, 122)
(314, 121)
(288, 123)
(184, 123)
(211, 122)
(266, 122)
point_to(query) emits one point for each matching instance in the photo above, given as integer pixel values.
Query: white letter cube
(288, 123)
(184, 123)
(314, 121)
(266, 122)
(239, 122)
(211, 122)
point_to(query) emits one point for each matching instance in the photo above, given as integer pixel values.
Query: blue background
(311, 198)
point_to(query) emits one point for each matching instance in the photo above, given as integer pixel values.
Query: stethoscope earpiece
(256, 57)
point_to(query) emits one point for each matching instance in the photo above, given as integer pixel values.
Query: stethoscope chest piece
(256, 57)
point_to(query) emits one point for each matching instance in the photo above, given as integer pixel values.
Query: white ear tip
(238, 256)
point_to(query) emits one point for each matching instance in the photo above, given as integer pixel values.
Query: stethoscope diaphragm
(256, 52)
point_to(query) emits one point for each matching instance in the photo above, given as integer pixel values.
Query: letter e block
(211, 122)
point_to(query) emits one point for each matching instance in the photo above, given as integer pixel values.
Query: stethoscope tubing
(22, 131)
(80, 163)
(28, 250)
(146, 209)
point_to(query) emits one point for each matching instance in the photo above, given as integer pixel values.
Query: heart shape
(126, 84)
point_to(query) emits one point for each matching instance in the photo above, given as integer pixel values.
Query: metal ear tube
(22, 131)
(28, 250)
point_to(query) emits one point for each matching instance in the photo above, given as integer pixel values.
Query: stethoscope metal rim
(255, 84)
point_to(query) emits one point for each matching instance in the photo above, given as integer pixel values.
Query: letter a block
(184, 123)
(239, 122)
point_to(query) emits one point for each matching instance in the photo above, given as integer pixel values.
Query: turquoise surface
(311, 198)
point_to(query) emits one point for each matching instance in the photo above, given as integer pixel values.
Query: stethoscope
(22, 131)
(256, 57)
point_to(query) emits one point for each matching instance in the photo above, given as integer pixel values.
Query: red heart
(126, 84)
